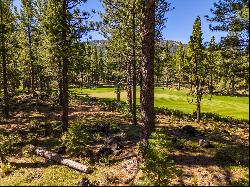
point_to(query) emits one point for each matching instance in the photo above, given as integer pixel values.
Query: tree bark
(65, 118)
(5, 81)
(198, 108)
(59, 159)
(147, 88)
(4, 66)
(197, 92)
(232, 86)
(59, 82)
(179, 77)
(134, 68)
(211, 83)
(129, 89)
(31, 58)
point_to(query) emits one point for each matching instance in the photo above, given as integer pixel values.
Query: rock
(114, 141)
(174, 140)
(61, 150)
(105, 151)
(89, 152)
(84, 182)
(104, 128)
(189, 130)
(205, 143)
(43, 96)
(35, 95)
(226, 132)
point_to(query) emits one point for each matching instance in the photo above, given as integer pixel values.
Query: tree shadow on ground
(33, 165)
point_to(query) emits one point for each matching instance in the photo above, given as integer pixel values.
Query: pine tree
(101, 64)
(196, 65)
(123, 18)
(211, 57)
(27, 26)
(165, 64)
(65, 26)
(179, 61)
(7, 27)
(232, 16)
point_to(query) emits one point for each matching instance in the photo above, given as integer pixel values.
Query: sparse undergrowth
(101, 136)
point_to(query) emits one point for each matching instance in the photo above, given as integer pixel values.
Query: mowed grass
(236, 107)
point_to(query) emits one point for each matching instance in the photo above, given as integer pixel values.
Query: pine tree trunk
(5, 81)
(60, 84)
(179, 78)
(178, 84)
(134, 69)
(197, 91)
(65, 119)
(232, 86)
(224, 84)
(198, 108)
(129, 89)
(147, 89)
(167, 81)
(41, 84)
(31, 58)
(82, 80)
(211, 83)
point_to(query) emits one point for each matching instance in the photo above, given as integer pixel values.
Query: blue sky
(180, 20)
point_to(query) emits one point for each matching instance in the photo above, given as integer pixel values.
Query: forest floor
(37, 122)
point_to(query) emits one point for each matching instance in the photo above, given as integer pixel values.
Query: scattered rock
(226, 132)
(84, 182)
(189, 130)
(35, 95)
(174, 140)
(89, 153)
(105, 151)
(205, 143)
(114, 141)
(43, 96)
(61, 150)
(104, 128)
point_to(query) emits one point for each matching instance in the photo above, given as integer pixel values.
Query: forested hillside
(131, 109)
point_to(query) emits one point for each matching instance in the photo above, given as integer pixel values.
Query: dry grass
(200, 166)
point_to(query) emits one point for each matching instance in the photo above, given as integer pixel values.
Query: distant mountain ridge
(173, 45)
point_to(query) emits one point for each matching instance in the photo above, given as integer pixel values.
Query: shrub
(113, 105)
(76, 138)
(6, 168)
(7, 145)
(157, 167)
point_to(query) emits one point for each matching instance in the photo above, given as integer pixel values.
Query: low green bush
(6, 168)
(157, 166)
(76, 138)
(7, 145)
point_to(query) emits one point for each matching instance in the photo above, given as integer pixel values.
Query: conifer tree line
(42, 49)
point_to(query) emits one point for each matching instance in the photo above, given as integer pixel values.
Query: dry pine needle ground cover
(224, 162)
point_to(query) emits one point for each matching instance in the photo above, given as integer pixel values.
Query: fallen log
(59, 159)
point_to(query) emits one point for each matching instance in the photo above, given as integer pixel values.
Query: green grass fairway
(236, 107)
